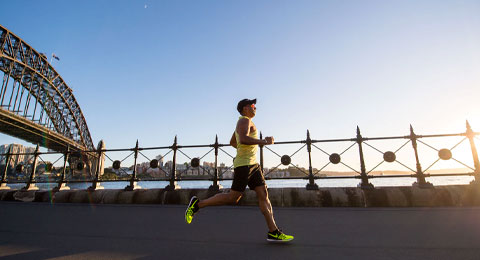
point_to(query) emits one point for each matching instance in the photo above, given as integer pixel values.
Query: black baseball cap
(245, 102)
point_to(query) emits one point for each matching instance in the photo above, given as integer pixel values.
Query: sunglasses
(253, 106)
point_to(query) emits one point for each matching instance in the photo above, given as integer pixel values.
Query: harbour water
(322, 183)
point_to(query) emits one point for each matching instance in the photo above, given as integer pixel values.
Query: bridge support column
(31, 184)
(3, 181)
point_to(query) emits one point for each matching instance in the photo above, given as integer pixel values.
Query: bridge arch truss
(36, 103)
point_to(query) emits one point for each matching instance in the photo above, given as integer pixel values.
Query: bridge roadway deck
(82, 231)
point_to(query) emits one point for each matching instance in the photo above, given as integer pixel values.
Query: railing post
(173, 175)
(261, 152)
(364, 184)
(215, 186)
(421, 183)
(3, 182)
(61, 183)
(133, 181)
(99, 169)
(30, 184)
(311, 181)
(470, 135)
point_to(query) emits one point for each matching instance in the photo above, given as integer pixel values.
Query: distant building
(168, 165)
(208, 165)
(160, 160)
(279, 174)
(25, 158)
(205, 169)
(228, 174)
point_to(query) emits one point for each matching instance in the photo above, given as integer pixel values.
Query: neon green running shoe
(191, 209)
(278, 236)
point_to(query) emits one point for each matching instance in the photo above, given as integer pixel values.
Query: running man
(246, 172)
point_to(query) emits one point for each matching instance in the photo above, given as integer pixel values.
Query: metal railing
(216, 173)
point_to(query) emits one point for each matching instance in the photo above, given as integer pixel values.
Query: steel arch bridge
(36, 103)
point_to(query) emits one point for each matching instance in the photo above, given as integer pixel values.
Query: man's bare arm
(243, 130)
(233, 141)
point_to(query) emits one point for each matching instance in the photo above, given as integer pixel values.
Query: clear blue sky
(150, 70)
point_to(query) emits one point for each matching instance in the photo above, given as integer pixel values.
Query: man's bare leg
(266, 207)
(231, 197)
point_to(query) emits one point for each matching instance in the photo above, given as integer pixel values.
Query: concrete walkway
(82, 231)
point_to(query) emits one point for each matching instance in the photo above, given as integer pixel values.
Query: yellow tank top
(246, 154)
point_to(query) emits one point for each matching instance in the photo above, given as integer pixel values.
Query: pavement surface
(82, 231)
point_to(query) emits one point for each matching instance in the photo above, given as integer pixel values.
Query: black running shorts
(250, 175)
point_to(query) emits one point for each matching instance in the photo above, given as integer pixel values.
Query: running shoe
(191, 209)
(278, 236)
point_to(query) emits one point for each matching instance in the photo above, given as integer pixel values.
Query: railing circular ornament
(19, 168)
(154, 163)
(286, 160)
(195, 162)
(334, 158)
(80, 166)
(116, 165)
(445, 154)
(389, 156)
(48, 167)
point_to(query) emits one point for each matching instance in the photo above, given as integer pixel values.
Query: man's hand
(269, 140)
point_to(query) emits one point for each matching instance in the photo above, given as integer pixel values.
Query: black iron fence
(94, 170)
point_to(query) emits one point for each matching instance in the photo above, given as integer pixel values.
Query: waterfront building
(17, 159)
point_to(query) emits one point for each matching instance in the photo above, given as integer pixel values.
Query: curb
(439, 196)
